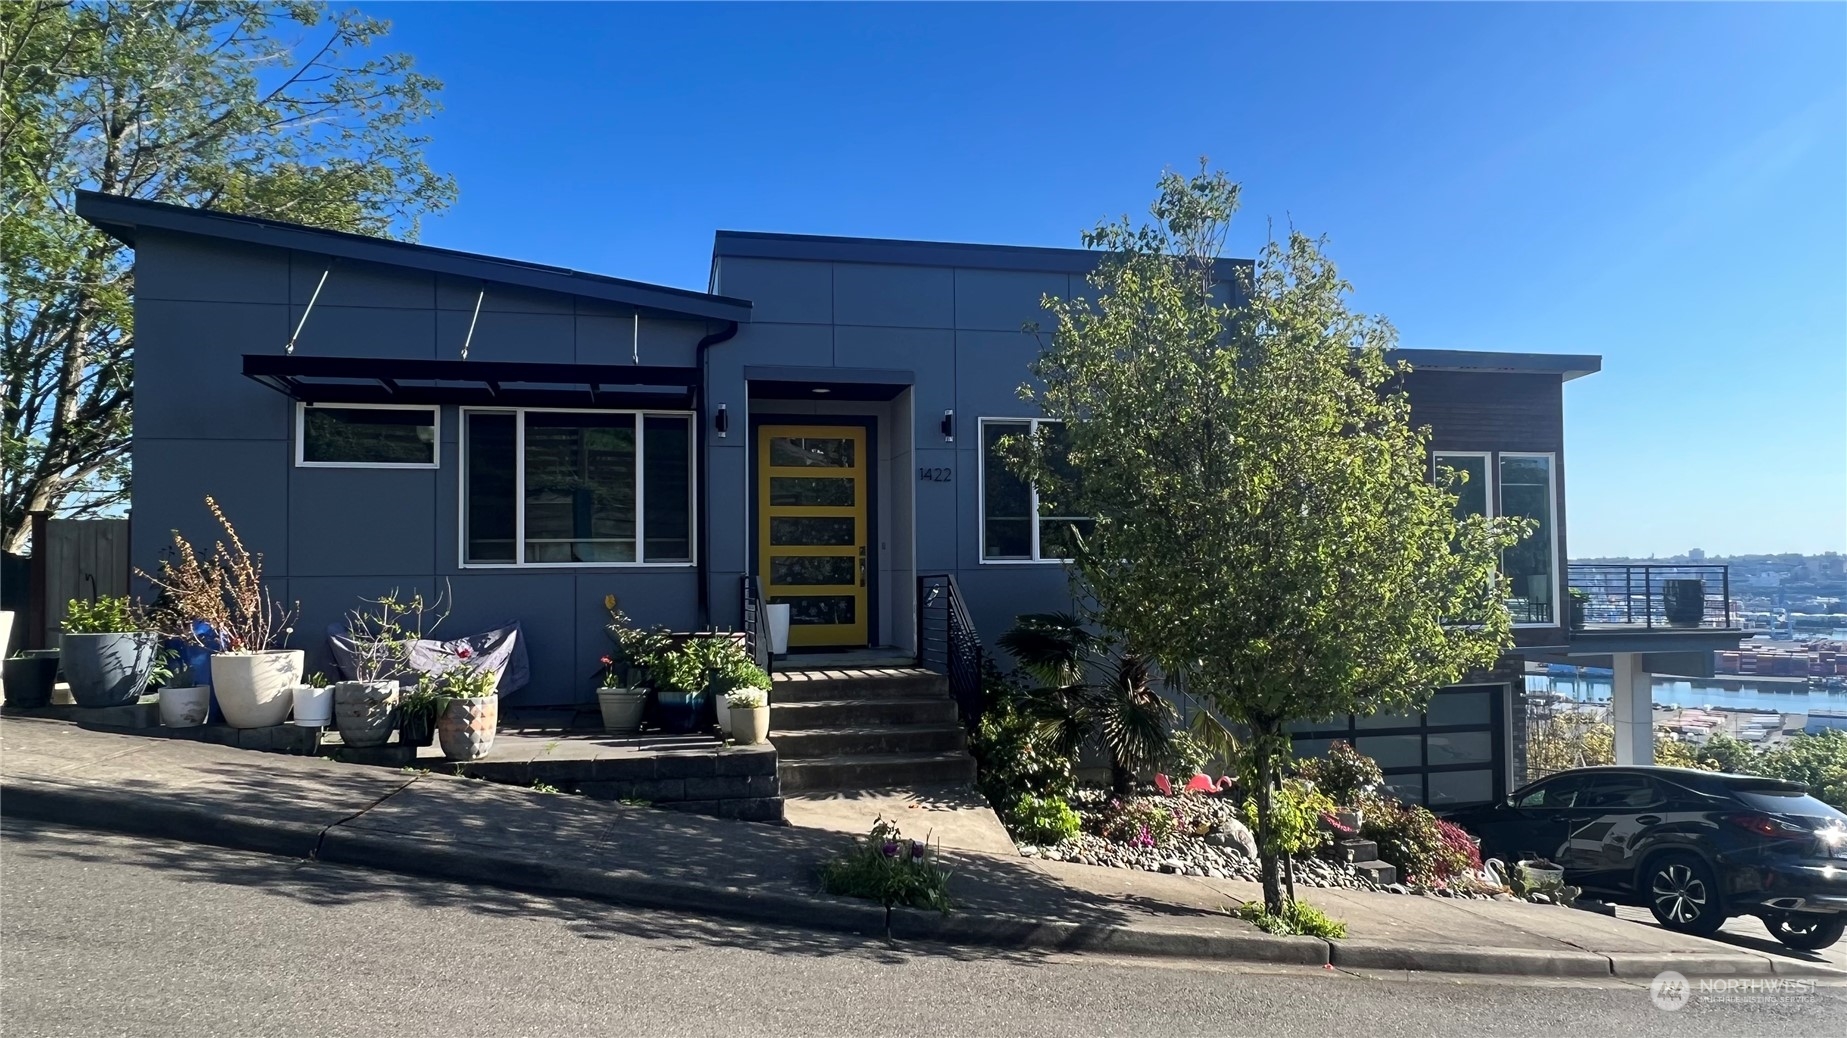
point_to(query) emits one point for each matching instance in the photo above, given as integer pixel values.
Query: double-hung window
(368, 436)
(584, 488)
(1020, 521)
(1523, 485)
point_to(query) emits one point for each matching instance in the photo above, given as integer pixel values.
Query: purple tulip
(917, 851)
(891, 848)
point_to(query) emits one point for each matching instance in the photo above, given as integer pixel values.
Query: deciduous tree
(275, 109)
(1267, 527)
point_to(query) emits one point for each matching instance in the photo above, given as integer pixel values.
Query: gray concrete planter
(108, 669)
(466, 727)
(622, 708)
(365, 712)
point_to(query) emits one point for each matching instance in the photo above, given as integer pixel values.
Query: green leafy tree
(1266, 525)
(274, 109)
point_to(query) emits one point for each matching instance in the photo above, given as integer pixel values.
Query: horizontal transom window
(366, 436)
(576, 488)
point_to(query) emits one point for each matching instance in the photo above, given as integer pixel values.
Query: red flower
(464, 653)
(606, 661)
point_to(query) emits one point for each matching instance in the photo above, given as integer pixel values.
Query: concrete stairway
(1363, 855)
(866, 727)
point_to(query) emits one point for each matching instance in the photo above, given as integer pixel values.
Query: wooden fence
(75, 558)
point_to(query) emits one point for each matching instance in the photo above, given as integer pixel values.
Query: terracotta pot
(108, 669)
(466, 727)
(253, 688)
(365, 712)
(622, 708)
(750, 726)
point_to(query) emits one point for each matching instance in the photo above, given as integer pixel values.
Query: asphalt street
(103, 935)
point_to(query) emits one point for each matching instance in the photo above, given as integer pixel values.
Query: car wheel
(1806, 932)
(1683, 895)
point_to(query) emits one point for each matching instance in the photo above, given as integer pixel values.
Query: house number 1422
(942, 475)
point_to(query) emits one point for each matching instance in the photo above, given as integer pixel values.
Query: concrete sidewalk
(475, 831)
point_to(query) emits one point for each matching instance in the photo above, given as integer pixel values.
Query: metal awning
(476, 383)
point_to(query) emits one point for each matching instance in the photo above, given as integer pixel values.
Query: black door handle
(1649, 819)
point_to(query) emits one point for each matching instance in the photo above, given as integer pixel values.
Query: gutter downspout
(703, 530)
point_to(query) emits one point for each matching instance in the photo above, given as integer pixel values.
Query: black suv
(1695, 847)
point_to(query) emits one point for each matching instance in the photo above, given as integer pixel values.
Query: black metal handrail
(1625, 596)
(756, 640)
(947, 642)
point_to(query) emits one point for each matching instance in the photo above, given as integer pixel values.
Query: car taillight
(1764, 825)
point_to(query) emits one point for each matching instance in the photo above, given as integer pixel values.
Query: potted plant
(313, 700)
(1579, 600)
(184, 703)
(382, 632)
(729, 667)
(470, 709)
(30, 676)
(222, 601)
(107, 654)
(418, 708)
(750, 715)
(676, 671)
(1683, 601)
(620, 694)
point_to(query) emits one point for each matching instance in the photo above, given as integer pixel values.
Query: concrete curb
(105, 810)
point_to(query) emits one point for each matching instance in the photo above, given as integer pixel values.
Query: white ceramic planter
(185, 707)
(313, 706)
(750, 727)
(778, 616)
(253, 687)
(724, 713)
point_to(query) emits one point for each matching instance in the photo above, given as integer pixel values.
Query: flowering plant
(890, 869)
(747, 699)
(466, 678)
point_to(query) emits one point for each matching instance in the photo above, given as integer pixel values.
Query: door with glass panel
(811, 529)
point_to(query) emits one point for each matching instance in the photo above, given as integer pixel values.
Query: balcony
(1648, 597)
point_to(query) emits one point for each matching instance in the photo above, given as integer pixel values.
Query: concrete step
(1379, 872)
(847, 713)
(809, 686)
(877, 771)
(825, 743)
(1357, 850)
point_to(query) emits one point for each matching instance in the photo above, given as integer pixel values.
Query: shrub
(1818, 761)
(1139, 823)
(1297, 917)
(1295, 818)
(747, 699)
(1186, 756)
(1043, 820)
(1725, 752)
(110, 614)
(887, 868)
(1013, 757)
(1414, 841)
(1344, 773)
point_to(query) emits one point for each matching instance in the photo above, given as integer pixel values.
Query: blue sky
(1662, 185)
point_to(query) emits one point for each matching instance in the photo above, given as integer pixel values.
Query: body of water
(1784, 699)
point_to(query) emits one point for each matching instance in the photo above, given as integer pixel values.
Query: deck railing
(756, 639)
(947, 642)
(1649, 596)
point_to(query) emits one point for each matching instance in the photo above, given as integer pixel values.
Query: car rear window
(1788, 802)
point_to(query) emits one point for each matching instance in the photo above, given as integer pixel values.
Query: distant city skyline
(1657, 184)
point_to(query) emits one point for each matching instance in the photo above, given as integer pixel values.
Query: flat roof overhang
(475, 383)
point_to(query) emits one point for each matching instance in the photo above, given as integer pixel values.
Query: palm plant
(1089, 687)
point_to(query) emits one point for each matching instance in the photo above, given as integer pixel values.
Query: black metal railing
(947, 642)
(1626, 596)
(756, 639)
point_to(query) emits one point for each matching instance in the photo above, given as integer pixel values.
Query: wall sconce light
(722, 421)
(949, 426)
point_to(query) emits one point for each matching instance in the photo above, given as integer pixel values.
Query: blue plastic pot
(680, 712)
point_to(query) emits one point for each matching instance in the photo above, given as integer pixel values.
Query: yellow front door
(811, 529)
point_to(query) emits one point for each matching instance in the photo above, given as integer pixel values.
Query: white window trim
(436, 432)
(1490, 473)
(1557, 564)
(519, 489)
(981, 495)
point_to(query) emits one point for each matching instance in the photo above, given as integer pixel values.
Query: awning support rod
(471, 323)
(289, 347)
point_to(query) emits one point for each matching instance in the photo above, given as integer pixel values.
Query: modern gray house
(817, 428)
